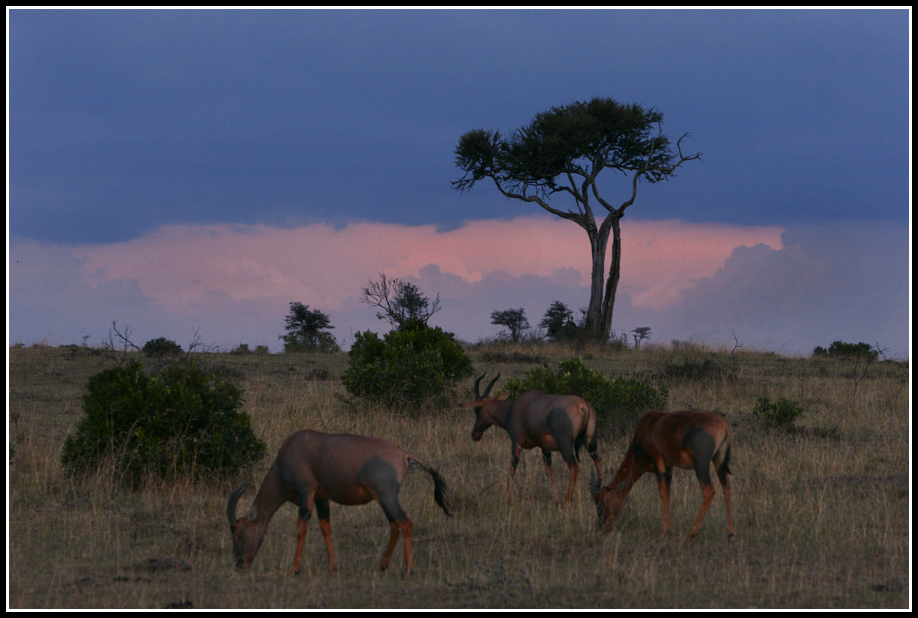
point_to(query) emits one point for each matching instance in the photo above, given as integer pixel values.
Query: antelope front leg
(325, 527)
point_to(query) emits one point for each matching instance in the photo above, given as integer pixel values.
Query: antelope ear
(502, 396)
(471, 404)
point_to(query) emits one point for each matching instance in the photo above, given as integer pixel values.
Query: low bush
(780, 413)
(407, 368)
(840, 349)
(180, 422)
(619, 402)
(161, 347)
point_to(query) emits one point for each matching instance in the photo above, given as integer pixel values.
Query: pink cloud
(786, 291)
(181, 265)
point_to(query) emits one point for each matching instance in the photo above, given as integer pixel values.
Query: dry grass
(821, 510)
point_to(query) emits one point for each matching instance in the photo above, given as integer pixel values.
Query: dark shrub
(161, 427)
(161, 347)
(410, 367)
(840, 349)
(780, 413)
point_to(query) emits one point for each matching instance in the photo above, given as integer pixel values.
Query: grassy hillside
(821, 509)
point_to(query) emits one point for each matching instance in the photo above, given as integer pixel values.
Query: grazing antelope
(691, 440)
(551, 422)
(312, 468)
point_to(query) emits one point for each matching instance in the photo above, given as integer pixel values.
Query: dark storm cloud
(123, 121)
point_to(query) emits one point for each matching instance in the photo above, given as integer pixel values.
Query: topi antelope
(691, 440)
(551, 422)
(312, 468)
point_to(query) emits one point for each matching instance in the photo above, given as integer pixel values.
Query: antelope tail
(440, 493)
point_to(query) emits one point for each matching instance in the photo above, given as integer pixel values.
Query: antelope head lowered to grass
(313, 468)
(691, 440)
(551, 422)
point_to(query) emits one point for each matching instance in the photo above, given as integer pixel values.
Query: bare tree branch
(401, 302)
(110, 347)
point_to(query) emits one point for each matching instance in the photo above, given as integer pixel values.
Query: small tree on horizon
(640, 333)
(558, 322)
(304, 331)
(514, 319)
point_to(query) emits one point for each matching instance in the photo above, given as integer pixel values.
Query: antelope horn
(490, 384)
(231, 504)
(477, 382)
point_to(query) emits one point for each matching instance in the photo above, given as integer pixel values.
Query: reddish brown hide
(313, 468)
(561, 423)
(691, 440)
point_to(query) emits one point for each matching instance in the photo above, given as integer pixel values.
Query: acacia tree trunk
(615, 269)
(597, 283)
(602, 289)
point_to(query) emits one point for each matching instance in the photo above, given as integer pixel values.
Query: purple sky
(183, 170)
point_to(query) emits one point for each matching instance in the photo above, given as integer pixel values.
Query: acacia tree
(304, 330)
(514, 319)
(563, 151)
(640, 334)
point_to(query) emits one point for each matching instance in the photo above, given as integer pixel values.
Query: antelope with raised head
(661, 442)
(561, 423)
(313, 468)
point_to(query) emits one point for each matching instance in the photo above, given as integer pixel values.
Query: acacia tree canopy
(563, 151)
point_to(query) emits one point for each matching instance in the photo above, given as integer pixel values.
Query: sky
(191, 173)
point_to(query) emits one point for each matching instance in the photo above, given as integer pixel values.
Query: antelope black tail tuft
(440, 496)
(440, 493)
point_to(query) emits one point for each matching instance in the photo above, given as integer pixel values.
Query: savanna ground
(822, 509)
